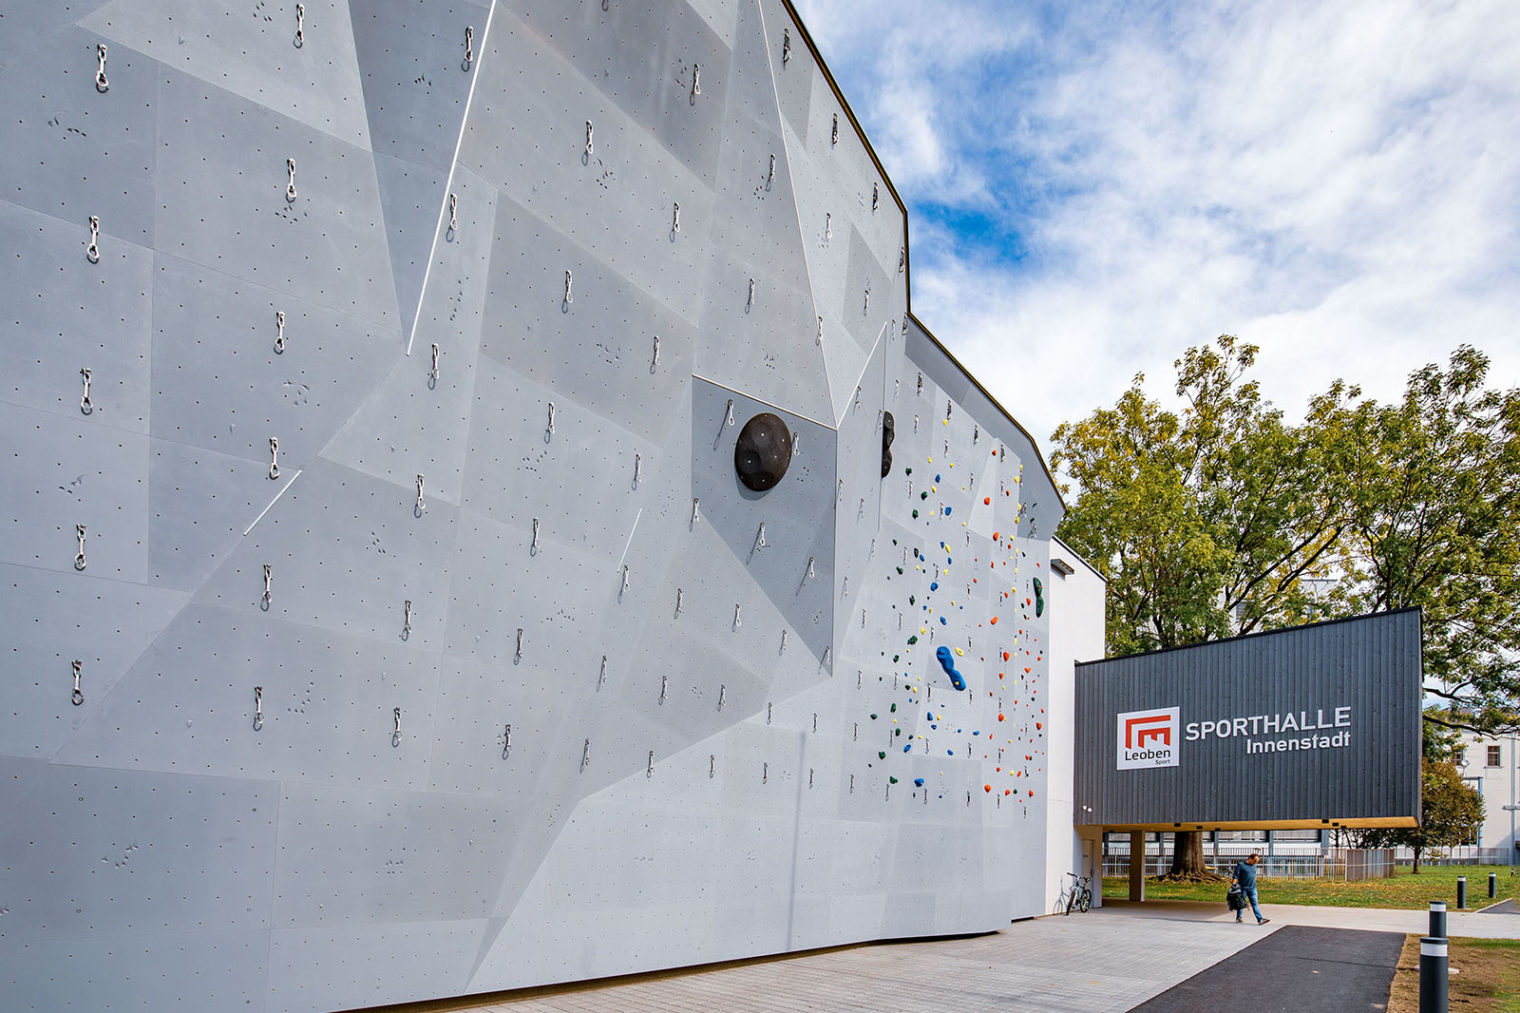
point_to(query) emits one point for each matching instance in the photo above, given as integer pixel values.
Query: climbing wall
(385, 618)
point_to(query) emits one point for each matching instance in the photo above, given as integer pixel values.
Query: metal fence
(1345, 864)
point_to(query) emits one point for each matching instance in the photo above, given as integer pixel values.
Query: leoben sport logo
(1149, 739)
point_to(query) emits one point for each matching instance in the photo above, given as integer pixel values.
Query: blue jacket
(1245, 875)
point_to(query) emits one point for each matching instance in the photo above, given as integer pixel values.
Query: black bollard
(1438, 919)
(1461, 892)
(1432, 975)
(1493, 885)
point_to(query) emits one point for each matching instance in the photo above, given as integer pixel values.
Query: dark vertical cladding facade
(1306, 724)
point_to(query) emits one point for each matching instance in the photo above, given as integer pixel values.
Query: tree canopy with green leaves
(1225, 518)
(1451, 812)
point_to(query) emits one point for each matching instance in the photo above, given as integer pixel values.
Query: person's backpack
(1235, 898)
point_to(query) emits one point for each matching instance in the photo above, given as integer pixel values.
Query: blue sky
(1092, 188)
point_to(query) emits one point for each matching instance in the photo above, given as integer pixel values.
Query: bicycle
(1078, 897)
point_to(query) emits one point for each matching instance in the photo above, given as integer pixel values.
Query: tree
(1205, 522)
(1434, 520)
(1451, 813)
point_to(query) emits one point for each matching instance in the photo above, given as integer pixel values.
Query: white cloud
(1335, 182)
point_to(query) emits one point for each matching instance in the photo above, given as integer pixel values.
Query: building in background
(1488, 763)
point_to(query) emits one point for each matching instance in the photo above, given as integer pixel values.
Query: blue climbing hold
(947, 511)
(947, 662)
(907, 747)
(942, 621)
(934, 585)
(918, 781)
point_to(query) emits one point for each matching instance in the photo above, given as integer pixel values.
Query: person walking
(1245, 878)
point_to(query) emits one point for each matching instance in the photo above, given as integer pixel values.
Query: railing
(1340, 864)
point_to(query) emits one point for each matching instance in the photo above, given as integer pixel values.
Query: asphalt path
(1298, 968)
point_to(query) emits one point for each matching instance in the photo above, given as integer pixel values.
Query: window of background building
(1459, 756)
(1493, 756)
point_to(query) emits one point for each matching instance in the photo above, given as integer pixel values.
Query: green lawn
(1402, 891)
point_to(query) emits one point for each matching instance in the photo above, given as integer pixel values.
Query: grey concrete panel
(132, 969)
(220, 384)
(561, 606)
(527, 135)
(409, 422)
(765, 346)
(222, 200)
(107, 851)
(255, 57)
(411, 195)
(478, 698)
(648, 71)
(866, 316)
(598, 351)
(579, 481)
(327, 703)
(199, 504)
(53, 619)
(32, 25)
(797, 513)
(795, 77)
(858, 500)
(67, 471)
(104, 326)
(317, 968)
(77, 152)
(375, 553)
(411, 64)
(720, 16)
(756, 212)
(347, 852)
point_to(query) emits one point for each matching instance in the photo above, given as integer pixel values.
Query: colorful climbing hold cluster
(958, 581)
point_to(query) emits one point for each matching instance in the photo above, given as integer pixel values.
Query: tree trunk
(1187, 858)
(1416, 871)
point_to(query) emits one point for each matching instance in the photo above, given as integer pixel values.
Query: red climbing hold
(987, 500)
(988, 788)
(1000, 717)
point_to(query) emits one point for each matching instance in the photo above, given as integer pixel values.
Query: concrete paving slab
(1113, 959)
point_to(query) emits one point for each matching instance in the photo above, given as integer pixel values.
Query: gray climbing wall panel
(384, 617)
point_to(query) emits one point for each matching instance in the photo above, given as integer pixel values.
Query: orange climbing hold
(1005, 655)
(1000, 717)
(987, 500)
(988, 788)
(994, 618)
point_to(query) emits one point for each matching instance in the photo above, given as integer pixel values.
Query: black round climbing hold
(763, 451)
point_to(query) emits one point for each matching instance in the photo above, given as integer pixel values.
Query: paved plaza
(1111, 959)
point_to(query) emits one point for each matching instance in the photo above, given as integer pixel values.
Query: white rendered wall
(1077, 628)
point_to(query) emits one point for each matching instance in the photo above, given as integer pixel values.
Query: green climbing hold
(912, 600)
(915, 515)
(923, 495)
(873, 717)
(897, 731)
(907, 471)
(913, 639)
(894, 708)
(882, 755)
(892, 780)
(899, 571)
(1039, 598)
